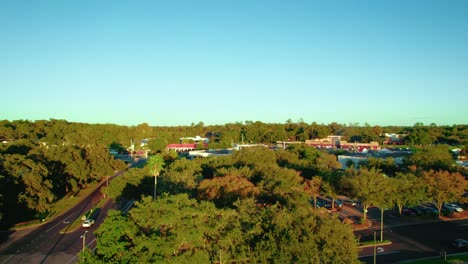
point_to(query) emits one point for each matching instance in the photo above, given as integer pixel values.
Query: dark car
(320, 203)
(460, 243)
(417, 210)
(338, 203)
(408, 211)
(349, 202)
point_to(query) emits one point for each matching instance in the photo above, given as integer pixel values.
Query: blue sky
(173, 63)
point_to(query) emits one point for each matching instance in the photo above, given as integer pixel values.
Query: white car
(88, 223)
(454, 207)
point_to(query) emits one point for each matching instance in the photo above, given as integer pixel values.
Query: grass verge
(58, 208)
(92, 213)
(377, 243)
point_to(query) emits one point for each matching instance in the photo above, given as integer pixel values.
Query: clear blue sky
(177, 62)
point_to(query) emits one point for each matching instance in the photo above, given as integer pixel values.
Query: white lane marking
(58, 224)
(89, 244)
(74, 257)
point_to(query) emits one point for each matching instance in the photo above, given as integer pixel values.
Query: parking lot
(415, 234)
(425, 213)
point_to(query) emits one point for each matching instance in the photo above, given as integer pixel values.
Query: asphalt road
(45, 244)
(415, 241)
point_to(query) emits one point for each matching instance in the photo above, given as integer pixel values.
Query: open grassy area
(463, 258)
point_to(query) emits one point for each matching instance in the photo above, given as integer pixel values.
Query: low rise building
(332, 142)
(357, 158)
(209, 153)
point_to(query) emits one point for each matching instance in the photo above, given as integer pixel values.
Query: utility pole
(155, 184)
(83, 237)
(375, 249)
(381, 224)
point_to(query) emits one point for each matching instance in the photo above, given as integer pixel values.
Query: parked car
(338, 203)
(430, 210)
(417, 210)
(320, 203)
(349, 202)
(408, 211)
(460, 243)
(454, 207)
(88, 223)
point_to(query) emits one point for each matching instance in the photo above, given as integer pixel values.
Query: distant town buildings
(195, 139)
(182, 147)
(398, 156)
(394, 139)
(241, 146)
(335, 142)
(209, 153)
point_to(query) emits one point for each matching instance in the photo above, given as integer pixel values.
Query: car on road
(88, 223)
(460, 243)
(453, 207)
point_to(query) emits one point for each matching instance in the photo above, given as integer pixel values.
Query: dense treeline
(65, 156)
(258, 206)
(43, 162)
(61, 131)
(250, 207)
(253, 206)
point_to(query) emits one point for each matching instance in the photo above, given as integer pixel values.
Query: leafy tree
(184, 231)
(182, 176)
(27, 182)
(443, 187)
(130, 185)
(279, 185)
(327, 163)
(313, 187)
(410, 190)
(420, 135)
(387, 165)
(432, 157)
(367, 185)
(226, 190)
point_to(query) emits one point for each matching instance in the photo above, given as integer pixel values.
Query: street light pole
(375, 242)
(155, 184)
(375, 249)
(381, 224)
(83, 237)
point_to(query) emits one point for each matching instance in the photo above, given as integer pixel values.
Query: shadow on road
(83, 209)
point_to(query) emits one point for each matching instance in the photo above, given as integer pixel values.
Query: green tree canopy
(443, 187)
(369, 186)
